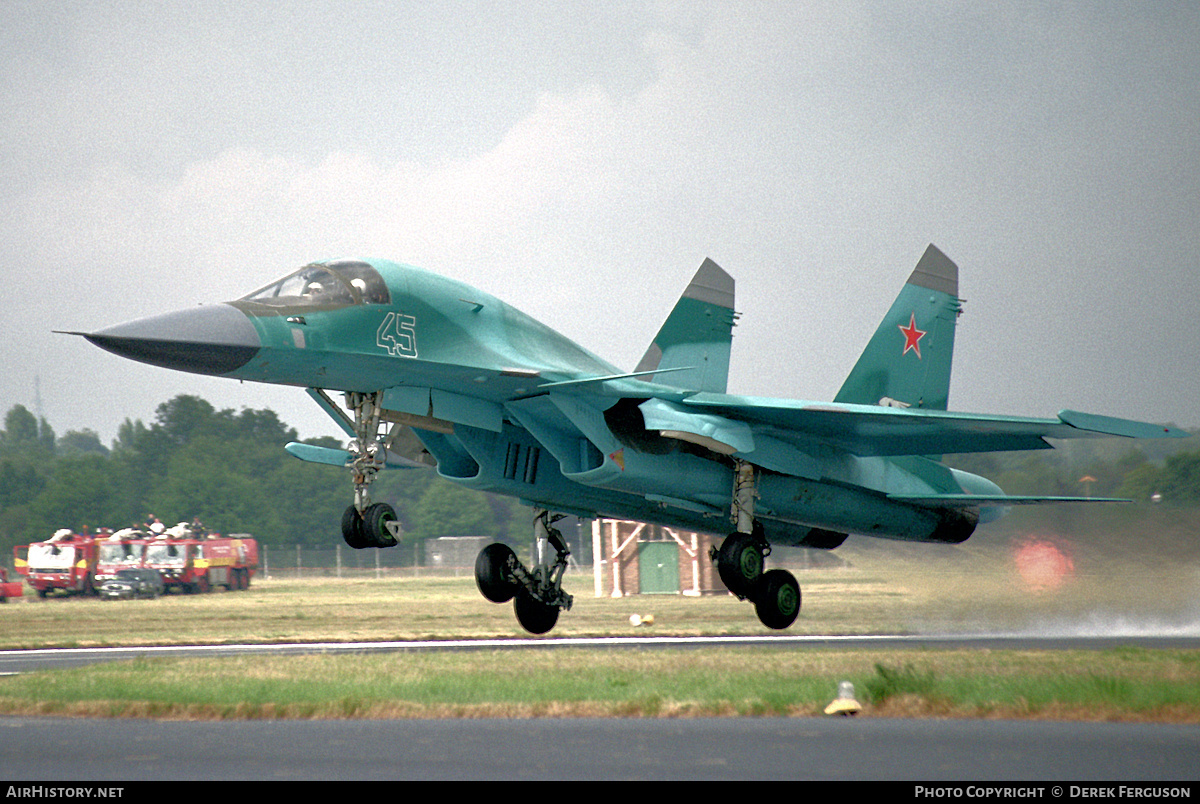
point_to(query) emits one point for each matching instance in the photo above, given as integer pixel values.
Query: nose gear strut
(367, 524)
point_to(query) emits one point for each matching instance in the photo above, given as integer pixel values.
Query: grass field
(976, 588)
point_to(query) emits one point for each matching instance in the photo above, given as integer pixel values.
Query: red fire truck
(198, 563)
(124, 549)
(65, 562)
(8, 588)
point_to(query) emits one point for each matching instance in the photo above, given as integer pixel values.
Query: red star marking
(912, 336)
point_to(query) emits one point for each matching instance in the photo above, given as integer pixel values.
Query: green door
(658, 568)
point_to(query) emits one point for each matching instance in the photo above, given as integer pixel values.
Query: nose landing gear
(367, 524)
(537, 594)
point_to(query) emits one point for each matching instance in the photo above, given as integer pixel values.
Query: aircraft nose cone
(214, 339)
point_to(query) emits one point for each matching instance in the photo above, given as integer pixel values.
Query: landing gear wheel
(492, 575)
(740, 563)
(352, 529)
(375, 528)
(777, 601)
(534, 616)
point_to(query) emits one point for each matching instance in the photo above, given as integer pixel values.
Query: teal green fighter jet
(435, 373)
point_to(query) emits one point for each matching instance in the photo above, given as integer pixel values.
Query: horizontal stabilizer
(1119, 427)
(880, 430)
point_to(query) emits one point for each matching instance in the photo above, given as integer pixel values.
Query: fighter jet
(436, 373)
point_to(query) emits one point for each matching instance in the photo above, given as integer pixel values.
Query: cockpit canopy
(340, 283)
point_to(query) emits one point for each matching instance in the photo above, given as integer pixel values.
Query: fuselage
(505, 404)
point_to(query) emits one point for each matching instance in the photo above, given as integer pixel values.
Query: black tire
(534, 616)
(375, 529)
(492, 575)
(777, 601)
(352, 529)
(740, 563)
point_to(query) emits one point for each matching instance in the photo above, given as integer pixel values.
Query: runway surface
(35, 749)
(42, 658)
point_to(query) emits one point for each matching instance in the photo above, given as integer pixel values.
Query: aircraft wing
(878, 430)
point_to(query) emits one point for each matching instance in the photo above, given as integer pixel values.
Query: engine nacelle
(955, 527)
(821, 539)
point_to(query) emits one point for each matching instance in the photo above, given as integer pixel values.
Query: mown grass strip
(1119, 685)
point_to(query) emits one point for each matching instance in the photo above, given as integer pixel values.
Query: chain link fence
(447, 557)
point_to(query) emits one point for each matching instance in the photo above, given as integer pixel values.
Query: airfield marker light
(635, 620)
(845, 703)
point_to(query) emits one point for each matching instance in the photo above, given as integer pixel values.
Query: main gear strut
(537, 593)
(742, 557)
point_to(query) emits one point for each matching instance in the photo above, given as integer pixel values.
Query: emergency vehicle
(124, 549)
(192, 562)
(8, 588)
(65, 562)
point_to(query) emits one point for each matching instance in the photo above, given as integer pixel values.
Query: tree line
(225, 467)
(229, 469)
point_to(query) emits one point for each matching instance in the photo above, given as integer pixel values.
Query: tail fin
(907, 361)
(695, 339)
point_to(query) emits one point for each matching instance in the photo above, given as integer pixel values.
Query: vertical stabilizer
(907, 361)
(697, 335)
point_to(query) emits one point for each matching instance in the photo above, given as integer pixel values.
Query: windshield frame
(317, 286)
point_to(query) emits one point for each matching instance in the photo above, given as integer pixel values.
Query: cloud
(811, 150)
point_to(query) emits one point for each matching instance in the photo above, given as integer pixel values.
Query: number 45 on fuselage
(436, 373)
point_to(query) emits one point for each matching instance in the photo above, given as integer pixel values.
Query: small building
(632, 558)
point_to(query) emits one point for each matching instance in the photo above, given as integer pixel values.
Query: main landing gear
(367, 524)
(742, 556)
(537, 594)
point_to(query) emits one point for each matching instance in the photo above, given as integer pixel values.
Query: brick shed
(632, 558)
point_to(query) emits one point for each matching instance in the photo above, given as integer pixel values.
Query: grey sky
(580, 160)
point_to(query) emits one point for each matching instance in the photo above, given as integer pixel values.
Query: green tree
(447, 509)
(79, 493)
(25, 433)
(80, 442)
